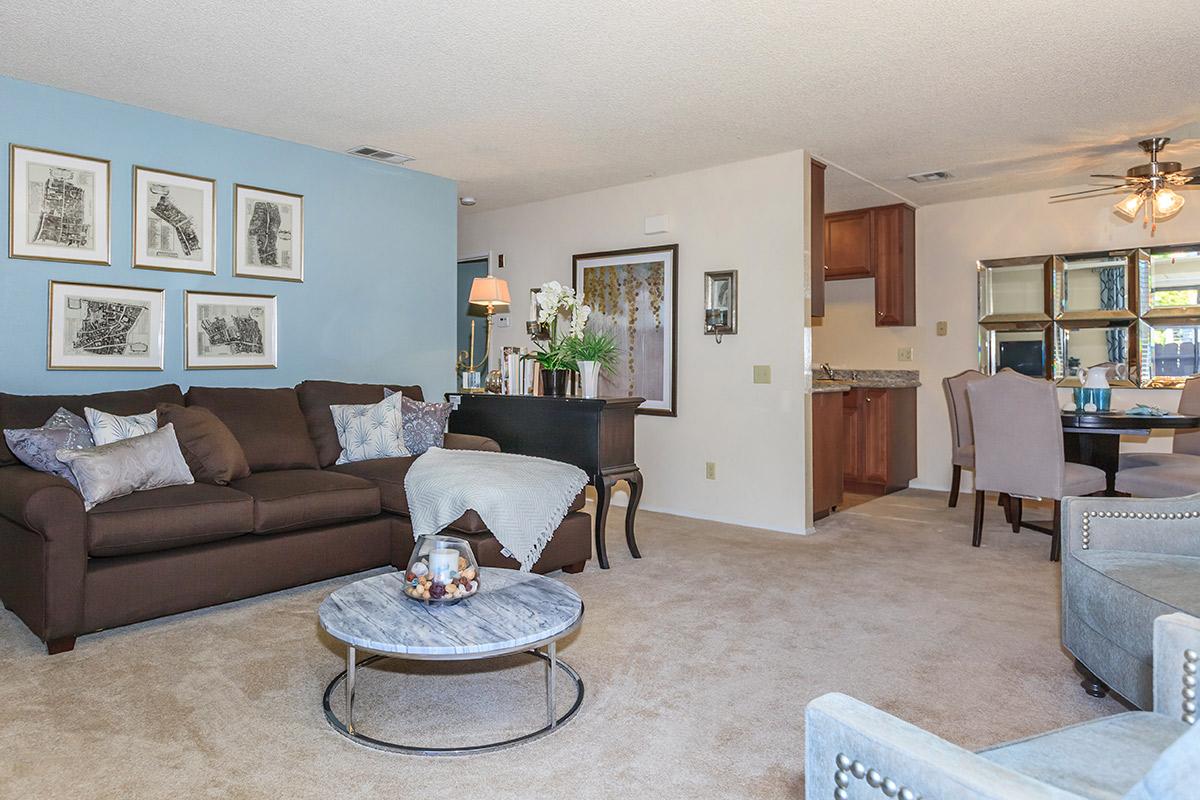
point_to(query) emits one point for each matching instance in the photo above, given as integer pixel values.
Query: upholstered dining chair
(962, 442)
(1017, 425)
(1185, 445)
(1167, 474)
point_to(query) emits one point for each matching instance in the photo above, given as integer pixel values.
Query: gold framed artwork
(222, 330)
(174, 221)
(98, 326)
(58, 206)
(268, 234)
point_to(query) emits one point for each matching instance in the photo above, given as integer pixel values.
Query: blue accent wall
(378, 298)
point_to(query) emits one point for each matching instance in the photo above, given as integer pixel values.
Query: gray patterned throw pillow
(369, 431)
(150, 461)
(35, 447)
(108, 428)
(424, 423)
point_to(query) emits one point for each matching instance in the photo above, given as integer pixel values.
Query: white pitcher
(1093, 377)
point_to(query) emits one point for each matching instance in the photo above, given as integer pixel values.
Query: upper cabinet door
(848, 245)
(816, 201)
(894, 235)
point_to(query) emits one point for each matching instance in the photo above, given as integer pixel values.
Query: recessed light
(467, 201)
(931, 177)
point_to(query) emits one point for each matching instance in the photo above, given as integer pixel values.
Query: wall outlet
(943, 327)
(501, 320)
(762, 373)
(710, 470)
(904, 354)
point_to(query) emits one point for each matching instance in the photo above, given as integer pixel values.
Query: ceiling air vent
(930, 177)
(375, 154)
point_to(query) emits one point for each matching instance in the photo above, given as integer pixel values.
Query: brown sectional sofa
(296, 519)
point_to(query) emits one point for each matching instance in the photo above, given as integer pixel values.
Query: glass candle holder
(442, 569)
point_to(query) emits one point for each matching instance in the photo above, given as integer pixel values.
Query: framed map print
(632, 294)
(229, 331)
(174, 221)
(105, 327)
(268, 234)
(58, 206)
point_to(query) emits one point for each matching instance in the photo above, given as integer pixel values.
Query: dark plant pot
(555, 382)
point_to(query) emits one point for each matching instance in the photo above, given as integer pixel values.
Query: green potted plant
(593, 351)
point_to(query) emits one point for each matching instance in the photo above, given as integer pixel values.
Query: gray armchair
(1128, 561)
(853, 750)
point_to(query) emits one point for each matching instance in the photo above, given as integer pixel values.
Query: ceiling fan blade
(1114, 177)
(1088, 191)
(1190, 172)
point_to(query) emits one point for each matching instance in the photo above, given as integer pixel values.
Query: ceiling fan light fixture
(1130, 206)
(1167, 202)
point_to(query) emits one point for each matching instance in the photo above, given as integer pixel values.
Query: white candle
(442, 562)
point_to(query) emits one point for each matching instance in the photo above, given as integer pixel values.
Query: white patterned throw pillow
(370, 431)
(108, 428)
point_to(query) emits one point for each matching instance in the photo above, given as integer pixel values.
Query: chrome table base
(553, 721)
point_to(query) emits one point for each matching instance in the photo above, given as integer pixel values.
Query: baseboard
(796, 531)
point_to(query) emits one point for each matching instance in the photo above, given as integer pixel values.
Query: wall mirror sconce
(720, 303)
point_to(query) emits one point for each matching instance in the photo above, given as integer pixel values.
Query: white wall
(951, 237)
(748, 216)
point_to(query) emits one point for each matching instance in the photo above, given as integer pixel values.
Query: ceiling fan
(1151, 182)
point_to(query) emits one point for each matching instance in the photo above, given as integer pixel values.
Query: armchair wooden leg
(1056, 537)
(977, 533)
(955, 482)
(1017, 511)
(63, 645)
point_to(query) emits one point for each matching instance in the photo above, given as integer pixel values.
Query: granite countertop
(846, 379)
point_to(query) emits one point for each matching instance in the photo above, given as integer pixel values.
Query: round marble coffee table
(513, 612)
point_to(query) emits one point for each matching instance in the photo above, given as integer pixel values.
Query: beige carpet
(698, 661)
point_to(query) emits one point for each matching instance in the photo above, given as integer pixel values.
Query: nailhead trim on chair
(1190, 657)
(846, 767)
(1086, 535)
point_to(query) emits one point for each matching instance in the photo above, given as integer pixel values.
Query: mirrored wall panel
(1091, 344)
(1169, 352)
(1173, 283)
(1093, 286)
(1024, 348)
(1013, 290)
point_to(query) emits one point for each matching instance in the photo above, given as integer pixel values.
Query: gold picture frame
(171, 231)
(68, 319)
(268, 330)
(289, 228)
(74, 218)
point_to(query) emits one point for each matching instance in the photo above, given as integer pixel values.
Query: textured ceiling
(523, 100)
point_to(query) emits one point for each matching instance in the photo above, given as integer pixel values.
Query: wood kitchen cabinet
(816, 202)
(828, 449)
(878, 242)
(880, 439)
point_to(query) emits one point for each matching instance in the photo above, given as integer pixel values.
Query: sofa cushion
(210, 449)
(471, 522)
(288, 500)
(268, 425)
(30, 411)
(386, 473)
(317, 396)
(174, 516)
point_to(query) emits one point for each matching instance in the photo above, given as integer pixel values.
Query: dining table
(1094, 437)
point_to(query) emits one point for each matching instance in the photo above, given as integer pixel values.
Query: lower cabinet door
(875, 435)
(852, 436)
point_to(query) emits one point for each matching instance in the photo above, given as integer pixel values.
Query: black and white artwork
(105, 327)
(59, 206)
(174, 221)
(268, 234)
(229, 331)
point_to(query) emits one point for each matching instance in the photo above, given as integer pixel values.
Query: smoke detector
(375, 154)
(467, 201)
(931, 177)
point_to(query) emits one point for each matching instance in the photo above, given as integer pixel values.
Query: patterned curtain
(1112, 296)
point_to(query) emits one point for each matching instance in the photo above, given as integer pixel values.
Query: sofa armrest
(39, 501)
(465, 441)
(848, 742)
(1167, 525)
(1176, 666)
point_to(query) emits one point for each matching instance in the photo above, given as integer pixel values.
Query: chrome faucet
(828, 370)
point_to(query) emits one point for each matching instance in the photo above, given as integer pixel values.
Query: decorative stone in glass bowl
(442, 569)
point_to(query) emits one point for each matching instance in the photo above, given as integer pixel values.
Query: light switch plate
(904, 354)
(943, 327)
(657, 224)
(501, 320)
(710, 470)
(762, 373)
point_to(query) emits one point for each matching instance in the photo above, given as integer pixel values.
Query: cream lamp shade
(489, 291)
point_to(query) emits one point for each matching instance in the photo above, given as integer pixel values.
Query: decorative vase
(589, 373)
(554, 382)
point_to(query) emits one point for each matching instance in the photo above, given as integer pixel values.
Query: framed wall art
(174, 221)
(229, 331)
(94, 326)
(268, 234)
(632, 294)
(58, 206)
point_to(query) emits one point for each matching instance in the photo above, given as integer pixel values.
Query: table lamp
(488, 291)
